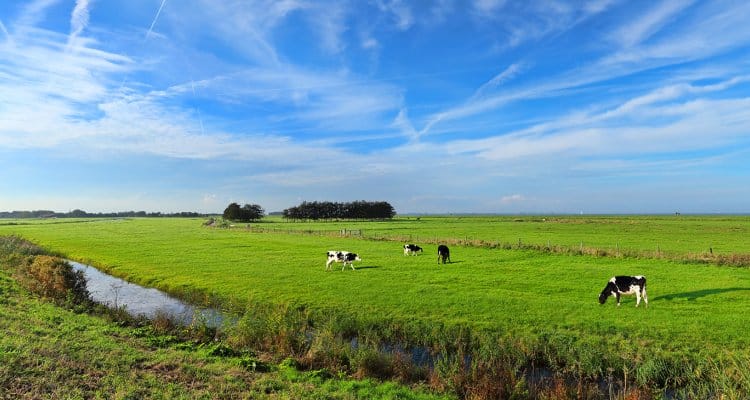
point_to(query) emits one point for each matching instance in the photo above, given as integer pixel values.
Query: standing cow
(444, 254)
(625, 285)
(344, 257)
(411, 249)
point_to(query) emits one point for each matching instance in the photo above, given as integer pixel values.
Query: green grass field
(683, 234)
(48, 352)
(696, 311)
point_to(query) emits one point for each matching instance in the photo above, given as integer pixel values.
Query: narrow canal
(141, 301)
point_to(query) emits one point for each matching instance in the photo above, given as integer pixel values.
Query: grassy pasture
(674, 235)
(695, 311)
(50, 352)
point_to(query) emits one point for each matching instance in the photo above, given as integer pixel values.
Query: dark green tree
(252, 212)
(246, 213)
(232, 212)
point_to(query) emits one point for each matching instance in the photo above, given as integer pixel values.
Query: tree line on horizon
(327, 210)
(83, 214)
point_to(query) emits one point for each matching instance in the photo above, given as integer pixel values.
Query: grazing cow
(444, 254)
(344, 257)
(410, 249)
(620, 285)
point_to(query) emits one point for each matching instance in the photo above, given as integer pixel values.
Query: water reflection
(141, 301)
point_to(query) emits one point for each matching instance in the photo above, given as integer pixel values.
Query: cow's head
(607, 292)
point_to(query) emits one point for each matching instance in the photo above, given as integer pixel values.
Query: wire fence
(700, 257)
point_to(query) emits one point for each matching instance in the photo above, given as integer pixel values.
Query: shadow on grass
(367, 267)
(691, 296)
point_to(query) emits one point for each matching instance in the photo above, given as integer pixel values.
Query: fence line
(709, 257)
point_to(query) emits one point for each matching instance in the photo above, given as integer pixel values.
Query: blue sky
(600, 106)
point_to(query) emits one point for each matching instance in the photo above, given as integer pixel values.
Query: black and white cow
(411, 249)
(620, 285)
(344, 257)
(444, 254)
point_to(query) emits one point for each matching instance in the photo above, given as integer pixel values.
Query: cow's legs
(645, 298)
(617, 295)
(328, 265)
(637, 297)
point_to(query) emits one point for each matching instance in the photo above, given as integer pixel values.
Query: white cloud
(636, 32)
(32, 13)
(329, 21)
(725, 119)
(506, 75)
(485, 7)
(403, 123)
(514, 198)
(369, 43)
(399, 10)
(303, 130)
(79, 20)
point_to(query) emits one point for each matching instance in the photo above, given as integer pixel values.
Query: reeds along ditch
(473, 364)
(487, 365)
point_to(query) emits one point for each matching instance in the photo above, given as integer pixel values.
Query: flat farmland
(684, 234)
(695, 311)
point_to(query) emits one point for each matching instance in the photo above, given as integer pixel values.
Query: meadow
(513, 309)
(49, 351)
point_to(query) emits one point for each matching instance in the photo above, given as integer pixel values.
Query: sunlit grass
(695, 311)
(486, 288)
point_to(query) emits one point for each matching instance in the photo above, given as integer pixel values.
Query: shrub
(54, 278)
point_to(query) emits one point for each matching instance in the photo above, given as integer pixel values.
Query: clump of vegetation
(54, 278)
(14, 246)
(48, 276)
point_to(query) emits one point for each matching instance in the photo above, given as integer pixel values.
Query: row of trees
(83, 214)
(329, 210)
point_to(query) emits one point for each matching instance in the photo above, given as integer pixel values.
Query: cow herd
(616, 286)
(345, 257)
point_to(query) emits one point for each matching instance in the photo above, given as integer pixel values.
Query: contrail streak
(151, 28)
(5, 31)
(200, 117)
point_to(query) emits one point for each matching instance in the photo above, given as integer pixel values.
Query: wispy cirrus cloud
(485, 7)
(504, 76)
(319, 100)
(79, 20)
(669, 120)
(707, 24)
(33, 12)
(82, 99)
(400, 12)
(636, 32)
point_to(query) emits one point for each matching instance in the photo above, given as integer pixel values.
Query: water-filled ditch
(141, 301)
(149, 302)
